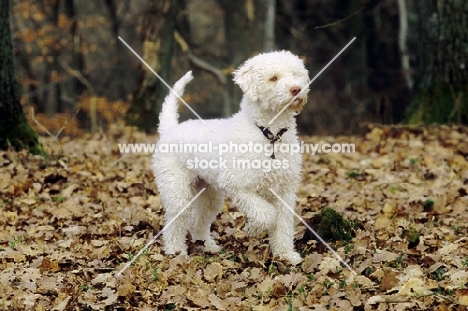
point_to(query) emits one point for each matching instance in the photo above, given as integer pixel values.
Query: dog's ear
(245, 77)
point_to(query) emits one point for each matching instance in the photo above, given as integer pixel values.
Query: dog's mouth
(296, 104)
(293, 102)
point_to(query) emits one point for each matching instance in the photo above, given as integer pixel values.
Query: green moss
(332, 226)
(412, 236)
(353, 174)
(428, 204)
(438, 274)
(441, 103)
(20, 135)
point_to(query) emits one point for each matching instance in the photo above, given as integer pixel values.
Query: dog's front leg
(260, 214)
(282, 233)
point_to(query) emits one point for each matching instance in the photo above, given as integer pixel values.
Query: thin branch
(208, 67)
(68, 123)
(341, 20)
(77, 74)
(92, 103)
(198, 61)
(221, 77)
(181, 41)
(41, 126)
(54, 137)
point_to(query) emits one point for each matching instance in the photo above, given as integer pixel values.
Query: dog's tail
(169, 117)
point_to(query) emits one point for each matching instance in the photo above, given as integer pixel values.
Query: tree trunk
(270, 18)
(244, 22)
(68, 90)
(244, 25)
(158, 45)
(446, 54)
(14, 129)
(357, 83)
(402, 43)
(443, 91)
(52, 69)
(118, 70)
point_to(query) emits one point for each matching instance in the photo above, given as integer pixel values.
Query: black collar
(273, 138)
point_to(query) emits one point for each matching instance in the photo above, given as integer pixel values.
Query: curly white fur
(269, 82)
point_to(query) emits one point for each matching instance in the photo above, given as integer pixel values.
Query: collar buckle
(273, 138)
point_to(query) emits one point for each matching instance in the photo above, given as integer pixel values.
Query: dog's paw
(293, 257)
(212, 247)
(172, 250)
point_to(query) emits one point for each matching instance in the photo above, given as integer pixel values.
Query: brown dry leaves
(70, 223)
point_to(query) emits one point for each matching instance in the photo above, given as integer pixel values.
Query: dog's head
(273, 80)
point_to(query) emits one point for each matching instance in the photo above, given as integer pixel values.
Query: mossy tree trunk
(14, 129)
(158, 46)
(442, 95)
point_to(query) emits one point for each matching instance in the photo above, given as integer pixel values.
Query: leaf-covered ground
(69, 224)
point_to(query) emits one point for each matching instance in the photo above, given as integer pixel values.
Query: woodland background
(407, 64)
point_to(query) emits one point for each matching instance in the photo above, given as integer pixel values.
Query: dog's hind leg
(175, 185)
(203, 214)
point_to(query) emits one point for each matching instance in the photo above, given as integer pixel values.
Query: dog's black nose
(295, 90)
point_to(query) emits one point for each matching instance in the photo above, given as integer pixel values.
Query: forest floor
(70, 223)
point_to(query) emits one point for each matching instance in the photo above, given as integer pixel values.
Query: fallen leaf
(213, 272)
(414, 287)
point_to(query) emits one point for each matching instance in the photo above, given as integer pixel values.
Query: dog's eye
(274, 78)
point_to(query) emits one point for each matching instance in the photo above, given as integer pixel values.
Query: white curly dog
(234, 166)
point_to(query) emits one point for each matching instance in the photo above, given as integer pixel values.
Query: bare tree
(402, 43)
(158, 45)
(14, 129)
(244, 22)
(118, 71)
(71, 88)
(52, 71)
(269, 44)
